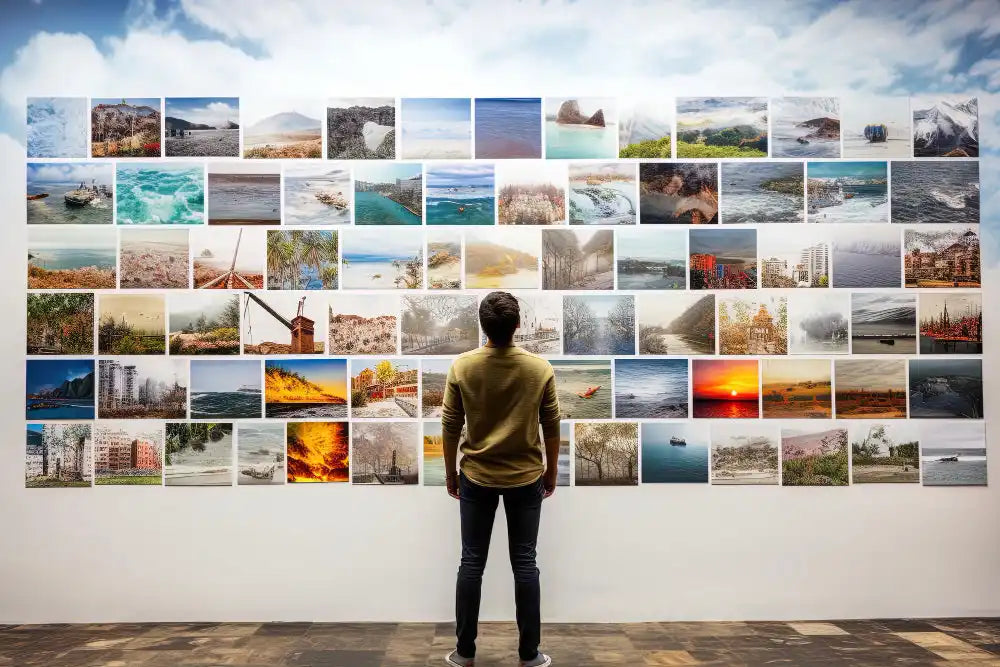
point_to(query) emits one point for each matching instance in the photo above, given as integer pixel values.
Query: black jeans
(478, 506)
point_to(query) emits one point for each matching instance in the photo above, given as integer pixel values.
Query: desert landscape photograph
(364, 324)
(796, 389)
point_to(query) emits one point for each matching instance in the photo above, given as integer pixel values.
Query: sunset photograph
(725, 389)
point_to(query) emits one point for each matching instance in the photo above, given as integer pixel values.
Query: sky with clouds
(547, 48)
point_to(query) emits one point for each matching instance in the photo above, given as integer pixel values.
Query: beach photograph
(583, 388)
(651, 259)
(302, 259)
(371, 259)
(678, 324)
(796, 389)
(935, 192)
(581, 128)
(578, 259)
(953, 454)
(504, 258)
(58, 456)
(753, 325)
(72, 258)
(283, 323)
(793, 256)
(722, 259)
(160, 194)
(384, 388)
(651, 388)
(125, 128)
(674, 452)
(204, 323)
(444, 259)
(436, 128)
(305, 388)
(818, 322)
(57, 127)
(59, 389)
(283, 128)
(508, 127)
(69, 193)
(814, 456)
(598, 324)
(725, 389)
(128, 453)
(433, 375)
(198, 454)
(228, 257)
(941, 256)
(154, 258)
(946, 388)
(883, 323)
(744, 453)
(460, 194)
(385, 453)
(260, 454)
(847, 191)
(721, 127)
(540, 329)
(950, 323)
(885, 453)
(60, 323)
(202, 127)
(762, 192)
(439, 324)
(318, 452)
(229, 389)
(876, 126)
(142, 388)
(317, 194)
(244, 193)
(645, 128)
(603, 194)
(531, 193)
(434, 472)
(945, 126)
(866, 256)
(388, 193)
(805, 127)
(682, 193)
(361, 128)
(131, 324)
(607, 453)
(870, 388)
(363, 324)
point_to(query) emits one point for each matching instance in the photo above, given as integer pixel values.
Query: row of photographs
(403, 388)
(776, 256)
(830, 453)
(502, 128)
(675, 324)
(515, 193)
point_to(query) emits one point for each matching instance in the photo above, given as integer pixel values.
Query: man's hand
(451, 481)
(549, 480)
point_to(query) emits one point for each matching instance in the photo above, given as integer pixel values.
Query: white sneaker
(540, 660)
(455, 660)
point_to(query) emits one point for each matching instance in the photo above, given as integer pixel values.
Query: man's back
(503, 393)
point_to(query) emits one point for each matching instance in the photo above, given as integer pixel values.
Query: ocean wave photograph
(160, 194)
(70, 193)
(928, 192)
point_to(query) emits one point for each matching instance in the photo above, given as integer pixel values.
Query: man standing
(501, 394)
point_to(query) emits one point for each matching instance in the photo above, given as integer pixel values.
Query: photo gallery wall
(731, 290)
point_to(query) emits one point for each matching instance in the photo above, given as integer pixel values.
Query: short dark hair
(499, 315)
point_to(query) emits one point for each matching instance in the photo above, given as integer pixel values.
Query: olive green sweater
(503, 394)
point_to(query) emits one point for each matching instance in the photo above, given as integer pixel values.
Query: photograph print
(503, 258)
(58, 455)
(385, 453)
(883, 323)
(683, 193)
(260, 453)
(578, 259)
(228, 389)
(722, 259)
(317, 194)
(303, 259)
(744, 453)
(436, 128)
(72, 257)
(371, 259)
(142, 388)
(198, 454)
(885, 453)
(433, 375)
(953, 453)
(128, 453)
(61, 323)
(318, 451)
(762, 192)
(942, 256)
(603, 193)
(753, 325)
(384, 388)
(814, 455)
(361, 128)
(160, 193)
(131, 324)
(607, 453)
(460, 194)
(508, 127)
(598, 324)
(202, 127)
(282, 128)
(951, 323)
(439, 324)
(59, 389)
(283, 323)
(363, 324)
(870, 388)
(818, 322)
(946, 388)
(651, 259)
(531, 192)
(204, 323)
(70, 193)
(444, 258)
(676, 324)
(866, 256)
(305, 388)
(876, 127)
(847, 191)
(721, 127)
(945, 127)
(935, 191)
(57, 127)
(229, 257)
(583, 388)
(125, 128)
(244, 193)
(581, 128)
(725, 389)
(651, 388)
(793, 256)
(796, 389)
(805, 127)
(154, 258)
(674, 452)
(645, 128)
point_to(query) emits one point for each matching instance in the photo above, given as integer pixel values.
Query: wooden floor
(878, 643)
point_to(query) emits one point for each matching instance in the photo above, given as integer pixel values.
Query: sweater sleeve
(548, 411)
(452, 409)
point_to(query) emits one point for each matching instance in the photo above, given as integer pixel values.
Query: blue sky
(852, 169)
(547, 48)
(458, 175)
(50, 373)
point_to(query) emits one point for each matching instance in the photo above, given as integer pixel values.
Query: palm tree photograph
(302, 259)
